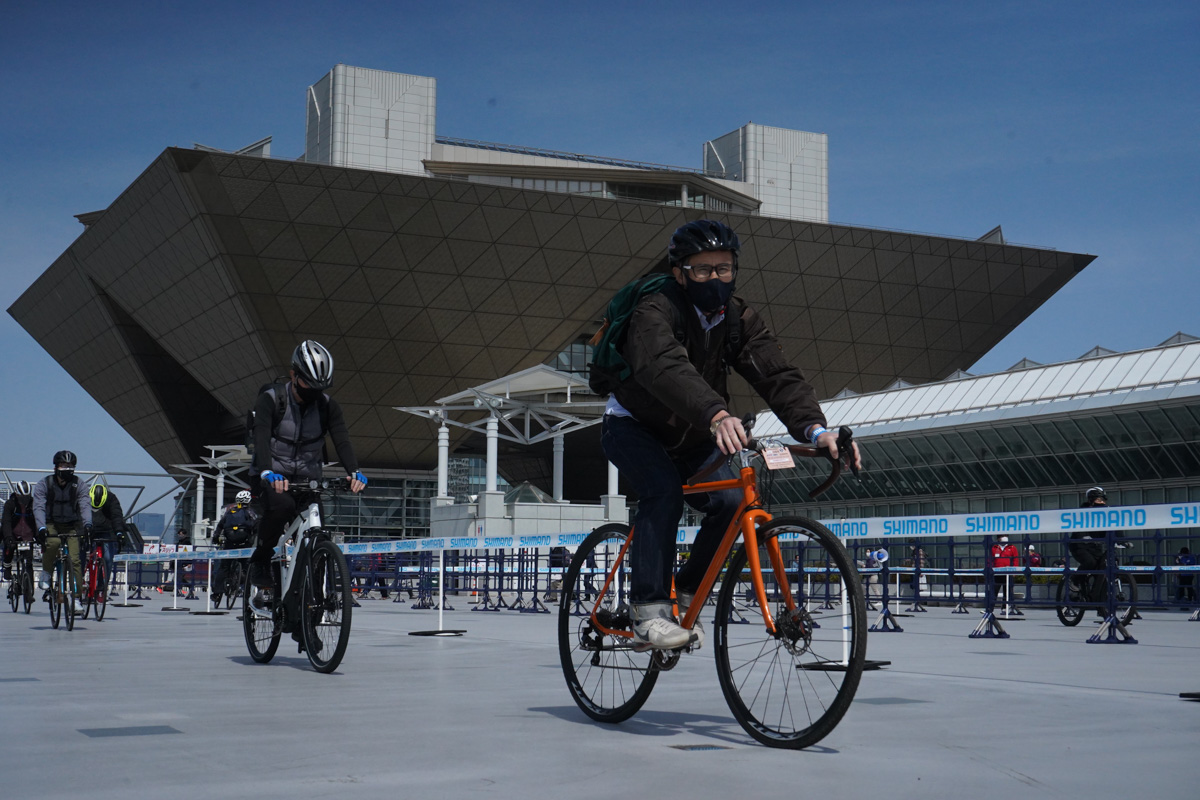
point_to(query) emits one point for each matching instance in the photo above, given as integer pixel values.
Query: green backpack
(608, 368)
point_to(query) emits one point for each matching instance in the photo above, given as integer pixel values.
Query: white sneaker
(684, 601)
(77, 605)
(659, 633)
(44, 580)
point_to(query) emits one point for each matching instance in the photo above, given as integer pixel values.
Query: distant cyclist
(18, 522)
(671, 416)
(61, 512)
(233, 531)
(108, 521)
(1089, 549)
(291, 421)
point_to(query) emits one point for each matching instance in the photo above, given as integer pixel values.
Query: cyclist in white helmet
(18, 522)
(235, 530)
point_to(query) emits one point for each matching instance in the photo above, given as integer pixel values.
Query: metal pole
(493, 452)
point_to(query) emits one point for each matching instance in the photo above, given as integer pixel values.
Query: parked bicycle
(20, 588)
(788, 680)
(94, 595)
(311, 589)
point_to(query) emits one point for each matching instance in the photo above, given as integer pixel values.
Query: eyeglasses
(705, 271)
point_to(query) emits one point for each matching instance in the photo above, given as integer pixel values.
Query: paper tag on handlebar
(778, 458)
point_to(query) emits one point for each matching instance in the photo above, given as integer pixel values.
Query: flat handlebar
(756, 446)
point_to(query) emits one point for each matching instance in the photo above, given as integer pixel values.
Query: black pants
(279, 509)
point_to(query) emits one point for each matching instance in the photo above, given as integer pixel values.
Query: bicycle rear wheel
(1070, 615)
(325, 613)
(606, 678)
(99, 589)
(262, 633)
(791, 688)
(14, 591)
(234, 577)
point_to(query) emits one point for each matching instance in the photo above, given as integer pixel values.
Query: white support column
(220, 493)
(559, 446)
(614, 504)
(493, 452)
(443, 488)
(196, 526)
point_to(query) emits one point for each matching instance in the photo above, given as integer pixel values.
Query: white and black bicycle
(310, 592)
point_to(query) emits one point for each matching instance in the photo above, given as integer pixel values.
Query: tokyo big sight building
(430, 264)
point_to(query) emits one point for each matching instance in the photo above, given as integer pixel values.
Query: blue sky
(1074, 125)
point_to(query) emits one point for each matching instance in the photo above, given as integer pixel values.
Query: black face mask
(307, 394)
(711, 295)
(64, 473)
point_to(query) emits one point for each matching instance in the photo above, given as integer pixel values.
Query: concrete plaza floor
(153, 703)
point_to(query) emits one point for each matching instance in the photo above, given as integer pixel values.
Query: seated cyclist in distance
(290, 446)
(671, 418)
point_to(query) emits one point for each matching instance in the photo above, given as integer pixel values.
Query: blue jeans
(657, 477)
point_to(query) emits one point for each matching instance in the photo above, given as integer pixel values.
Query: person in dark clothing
(108, 523)
(61, 512)
(671, 416)
(234, 531)
(291, 422)
(1185, 592)
(18, 524)
(1089, 550)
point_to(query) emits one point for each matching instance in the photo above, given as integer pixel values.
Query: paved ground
(1041, 714)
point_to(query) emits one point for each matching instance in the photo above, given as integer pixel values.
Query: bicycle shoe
(260, 604)
(260, 576)
(7, 572)
(298, 638)
(216, 598)
(44, 580)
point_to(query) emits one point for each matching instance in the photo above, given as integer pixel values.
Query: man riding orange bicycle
(670, 417)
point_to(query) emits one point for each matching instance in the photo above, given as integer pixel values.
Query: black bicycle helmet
(313, 364)
(1095, 493)
(700, 236)
(65, 457)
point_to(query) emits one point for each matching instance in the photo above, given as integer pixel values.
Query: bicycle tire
(69, 588)
(54, 595)
(262, 634)
(606, 678)
(27, 583)
(100, 590)
(233, 583)
(86, 591)
(792, 688)
(1070, 615)
(325, 613)
(14, 587)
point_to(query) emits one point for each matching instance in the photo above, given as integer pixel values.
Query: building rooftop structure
(191, 289)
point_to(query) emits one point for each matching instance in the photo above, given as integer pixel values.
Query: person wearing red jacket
(1004, 554)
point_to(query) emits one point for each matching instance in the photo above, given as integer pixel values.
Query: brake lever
(845, 450)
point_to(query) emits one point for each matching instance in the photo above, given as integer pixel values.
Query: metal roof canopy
(532, 405)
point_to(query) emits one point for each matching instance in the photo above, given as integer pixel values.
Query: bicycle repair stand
(128, 604)
(886, 621)
(441, 604)
(1112, 631)
(989, 627)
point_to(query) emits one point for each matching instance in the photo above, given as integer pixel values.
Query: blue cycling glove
(271, 477)
(360, 478)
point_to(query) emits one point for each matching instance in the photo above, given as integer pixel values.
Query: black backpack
(609, 368)
(278, 392)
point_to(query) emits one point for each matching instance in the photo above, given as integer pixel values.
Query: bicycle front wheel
(87, 592)
(54, 594)
(27, 589)
(325, 613)
(1070, 615)
(791, 688)
(606, 678)
(262, 633)
(69, 589)
(100, 589)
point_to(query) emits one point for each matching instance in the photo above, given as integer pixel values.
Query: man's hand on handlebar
(829, 439)
(729, 432)
(275, 481)
(357, 481)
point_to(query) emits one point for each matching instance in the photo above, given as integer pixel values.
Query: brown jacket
(676, 388)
